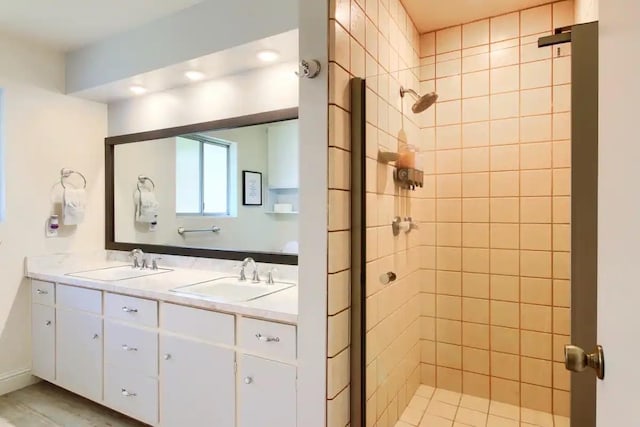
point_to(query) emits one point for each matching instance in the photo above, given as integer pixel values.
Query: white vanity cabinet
(165, 364)
(43, 333)
(79, 341)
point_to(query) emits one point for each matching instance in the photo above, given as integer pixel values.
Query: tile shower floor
(432, 407)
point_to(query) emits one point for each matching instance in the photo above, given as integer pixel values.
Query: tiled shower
(481, 304)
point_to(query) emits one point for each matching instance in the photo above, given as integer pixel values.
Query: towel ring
(142, 179)
(66, 173)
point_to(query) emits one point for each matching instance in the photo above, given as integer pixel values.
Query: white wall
(251, 230)
(44, 131)
(586, 11)
(266, 89)
(619, 212)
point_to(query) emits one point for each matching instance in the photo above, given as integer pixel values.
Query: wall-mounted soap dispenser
(52, 226)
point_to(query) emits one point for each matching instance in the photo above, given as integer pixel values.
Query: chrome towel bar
(214, 229)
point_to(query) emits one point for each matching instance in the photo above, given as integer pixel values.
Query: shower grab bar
(214, 229)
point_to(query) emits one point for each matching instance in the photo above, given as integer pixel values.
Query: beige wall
(497, 314)
(43, 131)
(372, 40)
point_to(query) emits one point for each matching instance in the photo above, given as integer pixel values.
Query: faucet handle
(145, 264)
(154, 262)
(270, 279)
(255, 278)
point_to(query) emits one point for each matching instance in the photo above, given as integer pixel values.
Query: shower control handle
(577, 360)
(388, 277)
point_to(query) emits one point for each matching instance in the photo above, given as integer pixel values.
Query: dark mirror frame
(231, 123)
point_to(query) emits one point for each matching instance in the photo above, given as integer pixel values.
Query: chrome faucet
(255, 276)
(270, 279)
(135, 254)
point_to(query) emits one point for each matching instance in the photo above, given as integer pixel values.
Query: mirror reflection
(231, 189)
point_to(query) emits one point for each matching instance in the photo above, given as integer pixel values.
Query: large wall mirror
(225, 189)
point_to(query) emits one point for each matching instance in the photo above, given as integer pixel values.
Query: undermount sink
(231, 289)
(112, 274)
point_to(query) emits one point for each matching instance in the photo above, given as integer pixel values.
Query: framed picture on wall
(251, 188)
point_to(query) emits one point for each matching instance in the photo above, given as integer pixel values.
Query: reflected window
(202, 176)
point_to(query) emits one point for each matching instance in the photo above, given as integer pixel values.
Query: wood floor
(45, 405)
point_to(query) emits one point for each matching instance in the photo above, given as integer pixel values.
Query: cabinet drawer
(196, 323)
(42, 292)
(43, 341)
(132, 394)
(131, 348)
(271, 339)
(79, 298)
(131, 309)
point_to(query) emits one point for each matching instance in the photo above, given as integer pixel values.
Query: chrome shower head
(422, 101)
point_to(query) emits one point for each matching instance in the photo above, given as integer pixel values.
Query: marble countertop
(281, 306)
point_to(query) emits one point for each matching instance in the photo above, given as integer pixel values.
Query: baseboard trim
(12, 381)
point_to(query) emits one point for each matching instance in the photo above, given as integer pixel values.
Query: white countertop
(281, 306)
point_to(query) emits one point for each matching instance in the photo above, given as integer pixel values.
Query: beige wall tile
(475, 260)
(535, 237)
(475, 285)
(561, 265)
(561, 70)
(475, 184)
(505, 27)
(427, 44)
(449, 88)
(449, 210)
(561, 237)
(475, 62)
(536, 20)
(507, 131)
(448, 161)
(339, 251)
(358, 23)
(561, 98)
(505, 79)
(337, 373)
(449, 331)
(559, 341)
(449, 39)
(505, 288)
(339, 210)
(475, 335)
(475, 159)
(505, 236)
(535, 210)
(505, 184)
(561, 293)
(341, 11)
(339, 46)
(475, 84)
(475, 360)
(561, 377)
(475, 385)
(449, 379)
(475, 210)
(505, 158)
(475, 109)
(505, 210)
(561, 210)
(505, 391)
(449, 307)
(506, 340)
(535, 101)
(535, 74)
(449, 186)
(536, 182)
(505, 314)
(504, 261)
(535, 156)
(561, 403)
(475, 235)
(475, 310)
(561, 126)
(535, 128)
(449, 258)
(535, 291)
(561, 320)
(339, 408)
(535, 317)
(536, 397)
(449, 282)
(505, 105)
(535, 344)
(475, 33)
(339, 291)
(535, 263)
(475, 134)
(339, 83)
(505, 366)
(562, 182)
(338, 332)
(448, 137)
(502, 56)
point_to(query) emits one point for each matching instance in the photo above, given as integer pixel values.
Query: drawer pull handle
(96, 336)
(126, 393)
(47, 323)
(41, 292)
(248, 380)
(127, 348)
(129, 310)
(267, 339)
(166, 356)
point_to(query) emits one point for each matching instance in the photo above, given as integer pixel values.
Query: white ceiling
(70, 24)
(429, 15)
(236, 60)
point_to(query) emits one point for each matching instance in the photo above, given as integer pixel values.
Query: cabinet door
(79, 352)
(197, 385)
(267, 396)
(283, 155)
(43, 341)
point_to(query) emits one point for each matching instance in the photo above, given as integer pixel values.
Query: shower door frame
(584, 222)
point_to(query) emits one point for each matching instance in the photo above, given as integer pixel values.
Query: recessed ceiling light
(194, 76)
(268, 55)
(137, 89)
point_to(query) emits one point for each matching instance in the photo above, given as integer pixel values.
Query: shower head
(422, 101)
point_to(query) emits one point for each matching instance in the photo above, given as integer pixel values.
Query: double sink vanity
(189, 343)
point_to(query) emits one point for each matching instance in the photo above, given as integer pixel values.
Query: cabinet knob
(126, 393)
(96, 336)
(248, 380)
(127, 348)
(47, 323)
(129, 309)
(264, 338)
(41, 292)
(166, 356)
